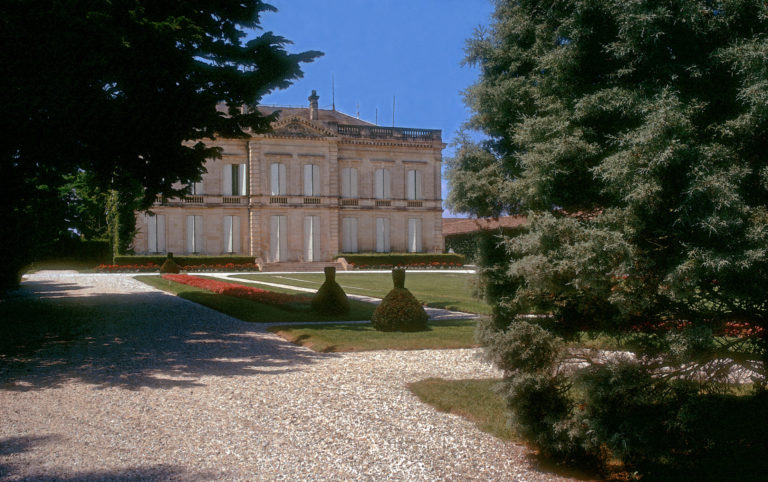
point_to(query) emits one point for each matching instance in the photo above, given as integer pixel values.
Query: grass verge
(363, 337)
(451, 291)
(474, 400)
(248, 310)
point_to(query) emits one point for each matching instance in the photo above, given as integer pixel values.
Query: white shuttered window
(414, 235)
(382, 235)
(349, 182)
(278, 239)
(156, 233)
(277, 179)
(194, 234)
(311, 238)
(231, 234)
(311, 180)
(381, 184)
(413, 185)
(349, 235)
(234, 180)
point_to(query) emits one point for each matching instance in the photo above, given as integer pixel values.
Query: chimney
(313, 113)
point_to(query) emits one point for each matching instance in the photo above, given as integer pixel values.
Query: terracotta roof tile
(462, 226)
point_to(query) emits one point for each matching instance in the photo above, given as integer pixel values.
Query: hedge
(402, 259)
(468, 243)
(182, 260)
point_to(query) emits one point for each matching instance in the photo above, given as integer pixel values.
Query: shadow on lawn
(130, 340)
(16, 445)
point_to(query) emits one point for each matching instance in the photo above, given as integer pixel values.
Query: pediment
(295, 126)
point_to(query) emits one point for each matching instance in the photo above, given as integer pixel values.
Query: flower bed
(152, 267)
(236, 290)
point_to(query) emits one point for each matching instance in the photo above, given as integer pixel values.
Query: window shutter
(353, 183)
(379, 183)
(382, 235)
(417, 188)
(226, 183)
(199, 234)
(190, 234)
(386, 187)
(274, 238)
(414, 235)
(242, 177)
(281, 168)
(410, 185)
(160, 233)
(152, 234)
(197, 188)
(274, 178)
(308, 180)
(349, 239)
(235, 234)
(346, 182)
(309, 238)
(227, 234)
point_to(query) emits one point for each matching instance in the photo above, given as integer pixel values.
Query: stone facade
(320, 184)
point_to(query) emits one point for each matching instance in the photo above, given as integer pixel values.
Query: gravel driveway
(155, 387)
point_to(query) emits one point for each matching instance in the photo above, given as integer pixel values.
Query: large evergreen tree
(123, 90)
(634, 134)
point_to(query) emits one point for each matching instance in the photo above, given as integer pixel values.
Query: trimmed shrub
(169, 265)
(399, 310)
(411, 260)
(184, 260)
(330, 299)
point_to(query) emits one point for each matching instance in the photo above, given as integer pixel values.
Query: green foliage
(169, 265)
(634, 136)
(118, 93)
(399, 310)
(402, 259)
(330, 299)
(183, 260)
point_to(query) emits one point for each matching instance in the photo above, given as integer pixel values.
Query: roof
(463, 226)
(324, 115)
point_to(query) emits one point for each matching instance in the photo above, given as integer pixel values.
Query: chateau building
(320, 184)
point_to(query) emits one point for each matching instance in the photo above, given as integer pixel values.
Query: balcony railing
(194, 199)
(278, 200)
(349, 202)
(311, 200)
(378, 132)
(414, 204)
(232, 200)
(383, 203)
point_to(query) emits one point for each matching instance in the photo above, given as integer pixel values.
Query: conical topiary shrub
(330, 299)
(169, 265)
(399, 310)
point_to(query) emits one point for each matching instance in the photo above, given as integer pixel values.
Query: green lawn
(248, 310)
(447, 290)
(363, 337)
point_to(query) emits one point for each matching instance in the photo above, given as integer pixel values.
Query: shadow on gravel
(132, 341)
(15, 445)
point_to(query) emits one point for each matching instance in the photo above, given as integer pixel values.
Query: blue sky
(409, 49)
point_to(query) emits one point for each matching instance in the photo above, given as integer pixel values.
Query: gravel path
(156, 387)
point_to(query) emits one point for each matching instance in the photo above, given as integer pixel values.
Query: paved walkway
(126, 382)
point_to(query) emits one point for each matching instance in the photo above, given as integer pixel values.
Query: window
(194, 234)
(381, 182)
(414, 235)
(311, 238)
(156, 234)
(413, 185)
(235, 180)
(197, 188)
(277, 179)
(349, 182)
(278, 239)
(311, 180)
(231, 234)
(349, 235)
(382, 235)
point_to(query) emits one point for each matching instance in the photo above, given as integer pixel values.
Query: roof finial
(313, 113)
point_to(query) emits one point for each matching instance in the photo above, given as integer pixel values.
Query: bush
(184, 260)
(330, 299)
(169, 265)
(399, 310)
(415, 260)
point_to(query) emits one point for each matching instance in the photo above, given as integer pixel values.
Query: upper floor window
(381, 184)
(349, 182)
(311, 180)
(277, 179)
(413, 185)
(197, 188)
(235, 180)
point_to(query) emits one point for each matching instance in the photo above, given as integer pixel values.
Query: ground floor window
(156, 233)
(231, 234)
(382, 235)
(194, 234)
(414, 235)
(311, 238)
(278, 239)
(349, 235)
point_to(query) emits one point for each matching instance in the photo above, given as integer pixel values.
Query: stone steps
(301, 267)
